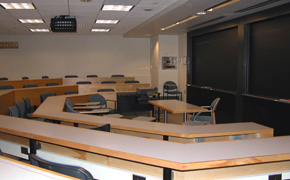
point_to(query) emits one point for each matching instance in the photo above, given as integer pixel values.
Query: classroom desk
(176, 107)
(185, 158)
(39, 82)
(97, 80)
(53, 108)
(12, 169)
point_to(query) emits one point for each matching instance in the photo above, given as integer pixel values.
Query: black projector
(63, 24)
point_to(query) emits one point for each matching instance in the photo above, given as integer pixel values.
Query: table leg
(185, 117)
(165, 116)
(167, 174)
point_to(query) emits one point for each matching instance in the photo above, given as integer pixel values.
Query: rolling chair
(71, 76)
(84, 82)
(3, 79)
(52, 84)
(132, 82)
(106, 90)
(23, 113)
(211, 110)
(44, 77)
(170, 88)
(108, 82)
(25, 78)
(29, 109)
(74, 171)
(117, 75)
(13, 111)
(103, 102)
(45, 95)
(91, 76)
(6, 87)
(29, 85)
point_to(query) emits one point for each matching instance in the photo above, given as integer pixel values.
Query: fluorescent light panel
(100, 30)
(17, 5)
(222, 5)
(39, 30)
(116, 8)
(107, 21)
(179, 22)
(31, 20)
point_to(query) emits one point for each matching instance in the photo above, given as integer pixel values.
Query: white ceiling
(144, 20)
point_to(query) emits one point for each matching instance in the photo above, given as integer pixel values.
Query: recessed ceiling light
(179, 22)
(17, 5)
(100, 30)
(201, 13)
(226, 3)
(107, 21)
(39, 30)
(116, 8)
(31, 20)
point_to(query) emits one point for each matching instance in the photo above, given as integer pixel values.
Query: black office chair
(132, 82)
(45, 95)
(104, 127)
(106, 90)
(25, 78)
(52, 84)
(117, 75)
(23, 113)
(92, 76)
(74, 171)
(103, 102)
(108, 82)
(84, 82)
(44, 77)
(170, 88)
(28, 108)
(29, 85)
(13, 111)
(6, 87)
(71, 92)
(71, 76)
(3, 79)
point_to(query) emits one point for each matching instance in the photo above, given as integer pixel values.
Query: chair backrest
(6, 87)
(71, 92)
(29, 85)
(106, 90)
(25, 78)
(3, 79)
(90, 76)
(98, 98)
(117, 75)
(169, 85)
(44, 77)
(214, 103)
(84, 82)
(1, 152)
(132, 82)
(52, 84)
(45, 95)
(13, 111)
(104, 127)
(27, 104)
(21, 107)
(69, 106)
(71, 76)
(108, 82)
(74, 171)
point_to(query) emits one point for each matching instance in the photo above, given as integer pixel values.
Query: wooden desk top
(175, 106)
(52, 108)
(12, 169)
(153, 152)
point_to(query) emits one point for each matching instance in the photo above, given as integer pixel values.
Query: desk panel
(97, 80)
(119, 87)
(40, 82)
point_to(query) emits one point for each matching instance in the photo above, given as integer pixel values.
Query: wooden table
(12, 169)
(168, 155)
(176, 107)
(87, 104)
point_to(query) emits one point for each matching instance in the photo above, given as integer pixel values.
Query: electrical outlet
(136, 177)
(275, 177)
(24, 150)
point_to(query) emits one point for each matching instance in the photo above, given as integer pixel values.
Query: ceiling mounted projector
(63, 23)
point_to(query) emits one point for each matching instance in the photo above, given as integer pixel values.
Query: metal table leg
(165, 116)
(185, 117)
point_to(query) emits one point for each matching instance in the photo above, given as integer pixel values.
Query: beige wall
(58, 55)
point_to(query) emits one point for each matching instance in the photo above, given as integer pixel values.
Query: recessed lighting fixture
(201, 13)
(179, 22)
(107, 21)
(223, 4)
(39, 30)
(116, 8)
(17, 5)
(100, 30)
(31, 20)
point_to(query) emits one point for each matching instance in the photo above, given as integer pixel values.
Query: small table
(87, 104)
(96, 111)
(86, 107)
(176, 107)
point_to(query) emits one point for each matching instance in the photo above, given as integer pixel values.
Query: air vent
(209, 21)
(63, 24)
(257, 6)
(8, 45)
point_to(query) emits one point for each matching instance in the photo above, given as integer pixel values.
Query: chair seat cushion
(203, 119)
